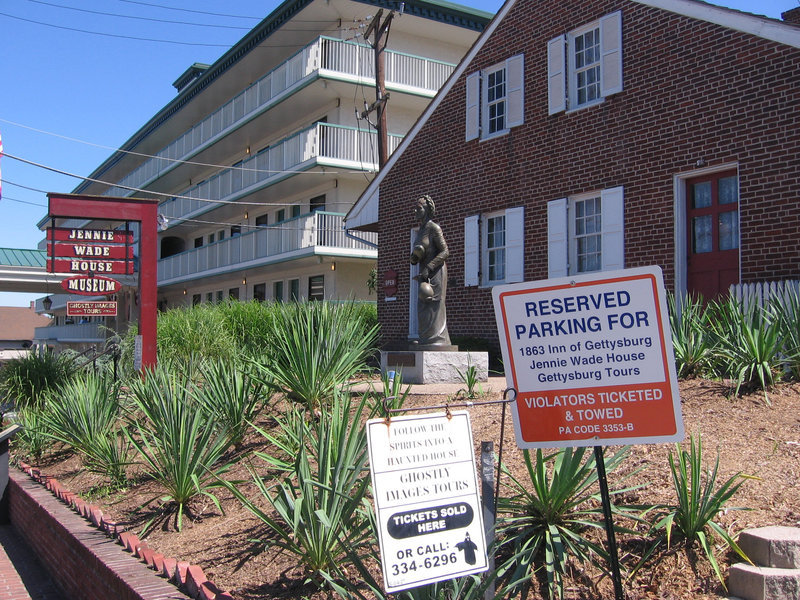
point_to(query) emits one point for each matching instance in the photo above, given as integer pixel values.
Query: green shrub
(545, 519)
(318, 346)
(319, 506)
(692, 519)
(31, 442)
(691, 342)
(187, 335)
(747, 343)
(250, 324)
(84, 413)
(180, 447)
(230, 397)
(786, 308)
(26, 380)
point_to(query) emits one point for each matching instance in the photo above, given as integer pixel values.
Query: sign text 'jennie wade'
(591, 359)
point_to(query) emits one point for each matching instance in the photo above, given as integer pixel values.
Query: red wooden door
(713, 237)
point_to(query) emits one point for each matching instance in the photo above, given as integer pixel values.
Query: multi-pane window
(316, 287)
(588, 235)
(277, 291)
(715, 199)
(586, 47)
(260, 292)
(496, 100)
(294, 290)
(496, 248)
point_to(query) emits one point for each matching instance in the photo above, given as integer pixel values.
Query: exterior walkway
(22, 576)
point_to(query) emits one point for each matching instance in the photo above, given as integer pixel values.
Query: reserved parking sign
(591, 359)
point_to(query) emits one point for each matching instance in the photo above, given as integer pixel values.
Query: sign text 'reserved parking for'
(430, 525)
(591, 359)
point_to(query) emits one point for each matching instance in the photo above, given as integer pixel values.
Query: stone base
(425, 366)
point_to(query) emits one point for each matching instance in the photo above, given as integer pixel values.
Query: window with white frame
(585, 233)
(494, 247)
(495, 99)
(585, 65)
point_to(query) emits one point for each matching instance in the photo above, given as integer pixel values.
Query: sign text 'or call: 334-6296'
(591, 359)
(430, 524)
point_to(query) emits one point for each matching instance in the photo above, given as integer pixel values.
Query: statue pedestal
(419, 365)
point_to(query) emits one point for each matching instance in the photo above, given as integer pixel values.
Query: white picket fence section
(763, 292)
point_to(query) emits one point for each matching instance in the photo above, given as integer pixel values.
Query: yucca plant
(691, 342)
(544, 522)
(84, 413)
(32, 441)
(318, 510)
(180, 447)
(747, 343)
(786, 308)
(230, 397)
(318, 347)
(25, 380)
(699, 503)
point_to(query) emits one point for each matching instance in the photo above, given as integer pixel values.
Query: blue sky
(79, 77)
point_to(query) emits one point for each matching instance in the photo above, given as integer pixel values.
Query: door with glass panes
(713, 236)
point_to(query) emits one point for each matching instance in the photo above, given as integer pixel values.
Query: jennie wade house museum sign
(591, 359)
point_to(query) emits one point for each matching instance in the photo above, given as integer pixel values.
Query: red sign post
(145, 211)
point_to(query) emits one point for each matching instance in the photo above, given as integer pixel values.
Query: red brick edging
(86, 562)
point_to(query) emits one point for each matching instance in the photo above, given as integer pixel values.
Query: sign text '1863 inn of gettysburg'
(591, 359)
(89, 251)
(430, 524)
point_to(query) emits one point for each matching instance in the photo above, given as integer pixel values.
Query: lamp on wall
(184, 291)
(244, 280)
(333, 266)
(47, 303)
(246, 214)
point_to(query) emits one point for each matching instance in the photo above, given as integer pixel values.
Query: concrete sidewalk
(22, 576)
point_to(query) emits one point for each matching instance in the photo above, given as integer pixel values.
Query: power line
(164, 158)
(189, 10)
(108, 14)
(114, 35)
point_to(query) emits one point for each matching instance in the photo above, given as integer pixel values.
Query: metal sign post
(591, 359)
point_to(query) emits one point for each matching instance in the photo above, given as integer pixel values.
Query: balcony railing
(334, 57)
(298, 236)
(80, 332)
(335, 143)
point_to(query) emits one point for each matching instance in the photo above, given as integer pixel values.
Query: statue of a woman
(430, 253)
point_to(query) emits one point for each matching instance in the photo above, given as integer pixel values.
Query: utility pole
(381, 31)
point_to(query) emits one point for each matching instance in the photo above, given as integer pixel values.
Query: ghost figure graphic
(468, 547)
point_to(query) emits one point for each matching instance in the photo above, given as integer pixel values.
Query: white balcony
(332, 145)
(315, 233)
(324, 57)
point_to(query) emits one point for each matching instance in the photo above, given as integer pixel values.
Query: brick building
(596, 135)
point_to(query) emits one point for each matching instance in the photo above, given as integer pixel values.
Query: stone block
(763, 583)
(774, 546)
(426, 366)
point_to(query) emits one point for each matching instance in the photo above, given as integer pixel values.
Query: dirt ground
(756, 439)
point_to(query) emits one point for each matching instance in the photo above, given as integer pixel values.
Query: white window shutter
(611, 54)
(557, 250)
(556, 75)
(473, 106)
(515, 71)
(515, 244)
(612, 217)
(471, 250)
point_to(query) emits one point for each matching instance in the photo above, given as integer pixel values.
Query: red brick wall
(693, 91)
(86, 564)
